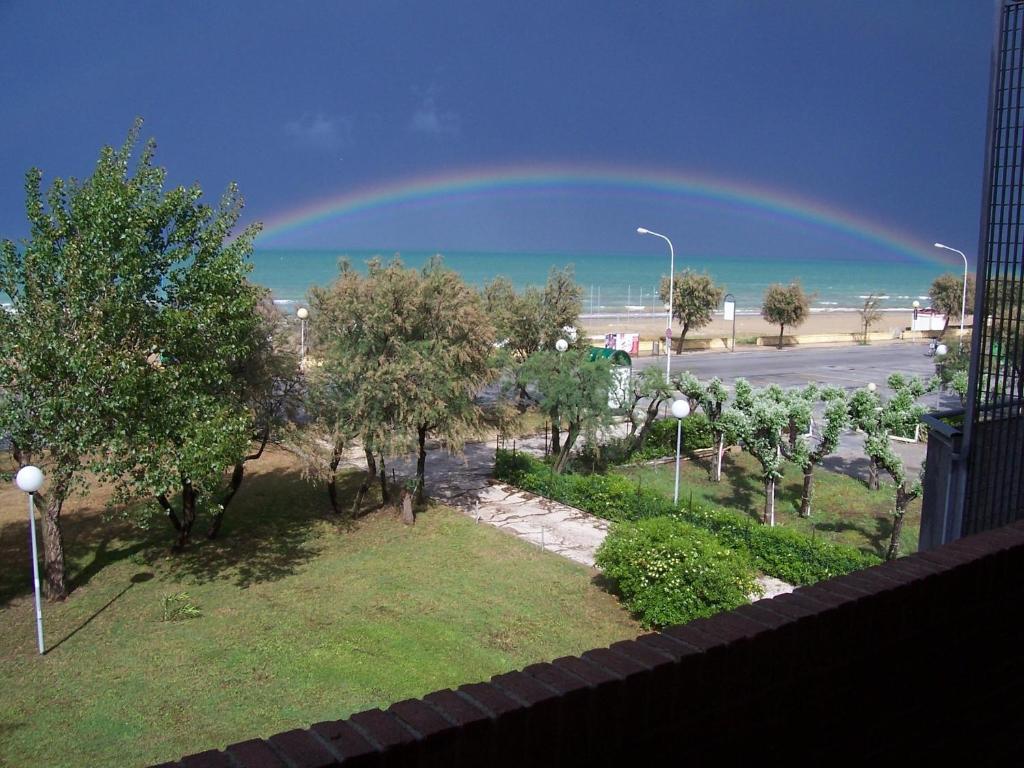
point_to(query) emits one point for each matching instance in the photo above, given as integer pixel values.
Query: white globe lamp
(29, 479)
(561, 345)
(680, 409)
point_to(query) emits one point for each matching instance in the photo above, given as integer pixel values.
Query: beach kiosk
(622, 370)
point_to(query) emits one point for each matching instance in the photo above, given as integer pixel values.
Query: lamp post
(680, 409)
(671, 295)
(30, 479)
(916, 305)
(963, 298)
(302, 314)
(940, 354)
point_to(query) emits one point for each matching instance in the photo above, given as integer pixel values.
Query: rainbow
(478, 183)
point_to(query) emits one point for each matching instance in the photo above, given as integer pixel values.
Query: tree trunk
(556, 436)
(902, 499)
(408, 516)
(188, 515)
(769, 503)
(781, 329)
(332, 479)
(805, 498)
(237, 475)
(171, 515)
(55, 585)
(385, 496)
(563, 456)
(368, 478)
(718, 457)
(421, 464)
(873, 484)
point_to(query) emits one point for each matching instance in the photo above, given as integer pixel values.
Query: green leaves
(694, 299)
(785, 304)
(402, 350)
(669, 572)
(118, 273)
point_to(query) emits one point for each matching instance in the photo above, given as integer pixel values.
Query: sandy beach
(746, 325)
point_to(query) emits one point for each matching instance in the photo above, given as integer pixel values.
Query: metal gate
(994, 430)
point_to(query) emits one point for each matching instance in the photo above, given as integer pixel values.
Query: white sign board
(730, 310)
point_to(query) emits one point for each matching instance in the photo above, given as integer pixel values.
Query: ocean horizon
(617, 283)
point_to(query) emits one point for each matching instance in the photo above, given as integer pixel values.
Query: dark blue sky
(877, 108)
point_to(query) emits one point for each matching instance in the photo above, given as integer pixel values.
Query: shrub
(780, 552)
(697, 434)
(670, 572)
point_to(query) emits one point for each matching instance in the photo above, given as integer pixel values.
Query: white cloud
(320, 131)
(429, 120)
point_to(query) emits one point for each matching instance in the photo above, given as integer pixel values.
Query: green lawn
(304, 618)
(842, 507)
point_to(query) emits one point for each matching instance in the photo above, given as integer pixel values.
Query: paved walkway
(464, 482)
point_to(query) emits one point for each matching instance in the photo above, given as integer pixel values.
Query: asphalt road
(848, 366)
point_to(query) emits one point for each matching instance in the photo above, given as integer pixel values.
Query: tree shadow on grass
(269, 532)
(90, 543)
(746, 492)
(857, 467)
(877, 534)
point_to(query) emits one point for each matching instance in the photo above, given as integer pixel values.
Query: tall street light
(30, 479)
(963, 299)
(671, 295)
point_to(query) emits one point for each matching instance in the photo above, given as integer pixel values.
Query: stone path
(464, 482)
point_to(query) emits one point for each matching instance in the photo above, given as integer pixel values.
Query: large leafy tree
(785, 305)
(947, 295)
(535, 318)
(694, 298)
(404, 354)
(120, 287)
(573, 389)
(270, 392)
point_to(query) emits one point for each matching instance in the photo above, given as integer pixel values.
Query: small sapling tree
(947, 295)
(694, 299)
(802, 449)
(574, 388)
(759, 420)
(785, 305)
(646, 393)
(870, 314)
(712, 398)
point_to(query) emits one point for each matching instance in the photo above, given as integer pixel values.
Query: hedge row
(780, 552)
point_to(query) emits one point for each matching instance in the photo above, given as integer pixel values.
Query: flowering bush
(669, 572)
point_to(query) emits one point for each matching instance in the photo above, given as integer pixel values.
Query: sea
(617, 283)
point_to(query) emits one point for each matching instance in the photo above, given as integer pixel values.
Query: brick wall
(915, 659)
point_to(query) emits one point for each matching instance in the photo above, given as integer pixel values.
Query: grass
(301, 617)
(842, 508)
